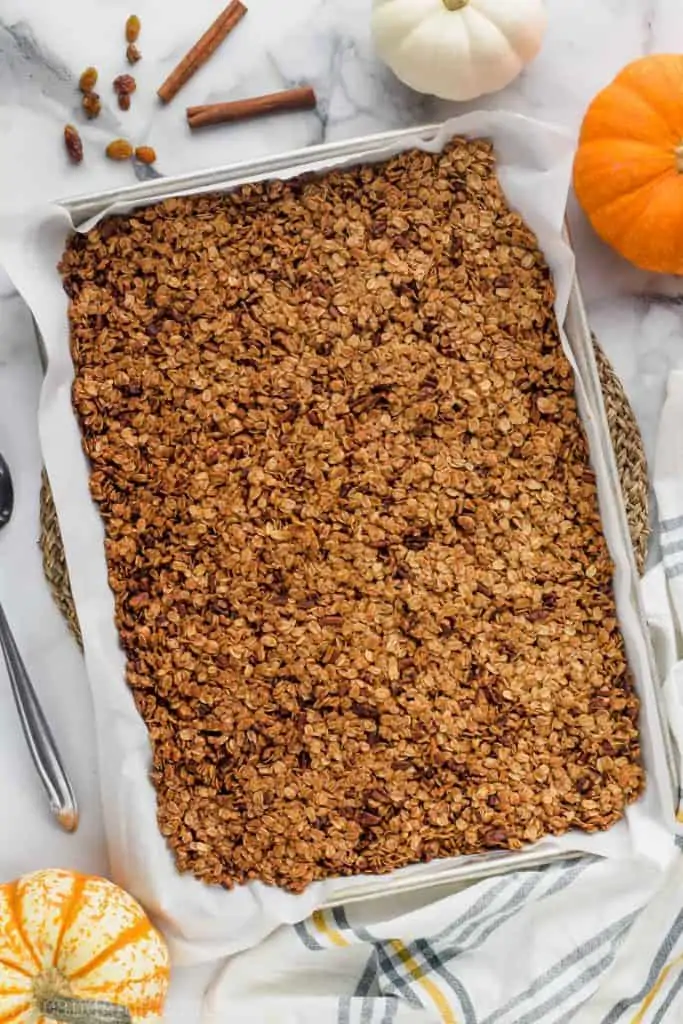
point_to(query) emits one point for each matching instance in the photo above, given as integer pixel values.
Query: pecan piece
(368, 820)
(124, 85)
(417, 541)
(495, 837)
(73, 143)
(91, 104)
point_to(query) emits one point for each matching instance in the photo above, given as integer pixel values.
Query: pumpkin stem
(455, 5)
(679, 158)
(52, 994)
(83, 1011)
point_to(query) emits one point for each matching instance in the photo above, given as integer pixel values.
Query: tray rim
(81, 208)
(86, 205)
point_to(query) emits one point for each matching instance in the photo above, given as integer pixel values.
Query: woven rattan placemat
(628, 447)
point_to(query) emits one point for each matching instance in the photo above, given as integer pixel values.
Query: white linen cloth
(586, 941)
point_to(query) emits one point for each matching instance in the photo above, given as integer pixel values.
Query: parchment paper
(201, 922)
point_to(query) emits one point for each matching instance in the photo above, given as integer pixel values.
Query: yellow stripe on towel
(432, 990)
(654, 991)
(333, 934)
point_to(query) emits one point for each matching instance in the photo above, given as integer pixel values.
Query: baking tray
(83, 208)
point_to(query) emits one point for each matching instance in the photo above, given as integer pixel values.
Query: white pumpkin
(458, 49)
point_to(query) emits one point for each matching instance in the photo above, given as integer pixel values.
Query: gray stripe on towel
(510, 909)
(344, 1015)
(475, 910)
(391, 1006)
(368, 977)
(434, 961)
(669, 1001)
(307, 939)
(667, 525)
(572, 989)
(581, 952)
(392, 970)
(663, 954)
(367, 1006)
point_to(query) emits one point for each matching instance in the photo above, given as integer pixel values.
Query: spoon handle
(37, 733)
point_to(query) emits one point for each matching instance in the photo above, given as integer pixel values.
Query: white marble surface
(43, 48)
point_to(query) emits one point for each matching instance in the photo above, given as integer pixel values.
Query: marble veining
(43, 49)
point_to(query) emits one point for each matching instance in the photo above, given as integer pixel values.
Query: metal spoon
(37, 732)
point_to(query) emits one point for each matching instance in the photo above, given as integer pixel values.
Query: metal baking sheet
(83, 208)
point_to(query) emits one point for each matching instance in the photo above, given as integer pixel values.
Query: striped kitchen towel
(668, 485)
(588, 941)
(662, 587)
(645, 983)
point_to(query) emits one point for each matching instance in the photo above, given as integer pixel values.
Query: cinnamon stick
(302, 98)
(202, 50)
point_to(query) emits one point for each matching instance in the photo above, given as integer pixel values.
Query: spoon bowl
(6, 494)
(37, 733)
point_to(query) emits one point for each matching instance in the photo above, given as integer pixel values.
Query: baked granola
(352, 528)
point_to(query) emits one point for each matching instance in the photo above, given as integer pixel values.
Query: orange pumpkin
(628, 172)
(77, 948)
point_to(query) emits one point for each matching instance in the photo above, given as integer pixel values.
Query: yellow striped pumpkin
(78, 949)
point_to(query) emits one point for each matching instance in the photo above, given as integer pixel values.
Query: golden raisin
(74, 146)
(145, 154)
(119, 149)
(132, 53)
(91, 104)
(124, 84)
(132, 28)
(88, 80)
